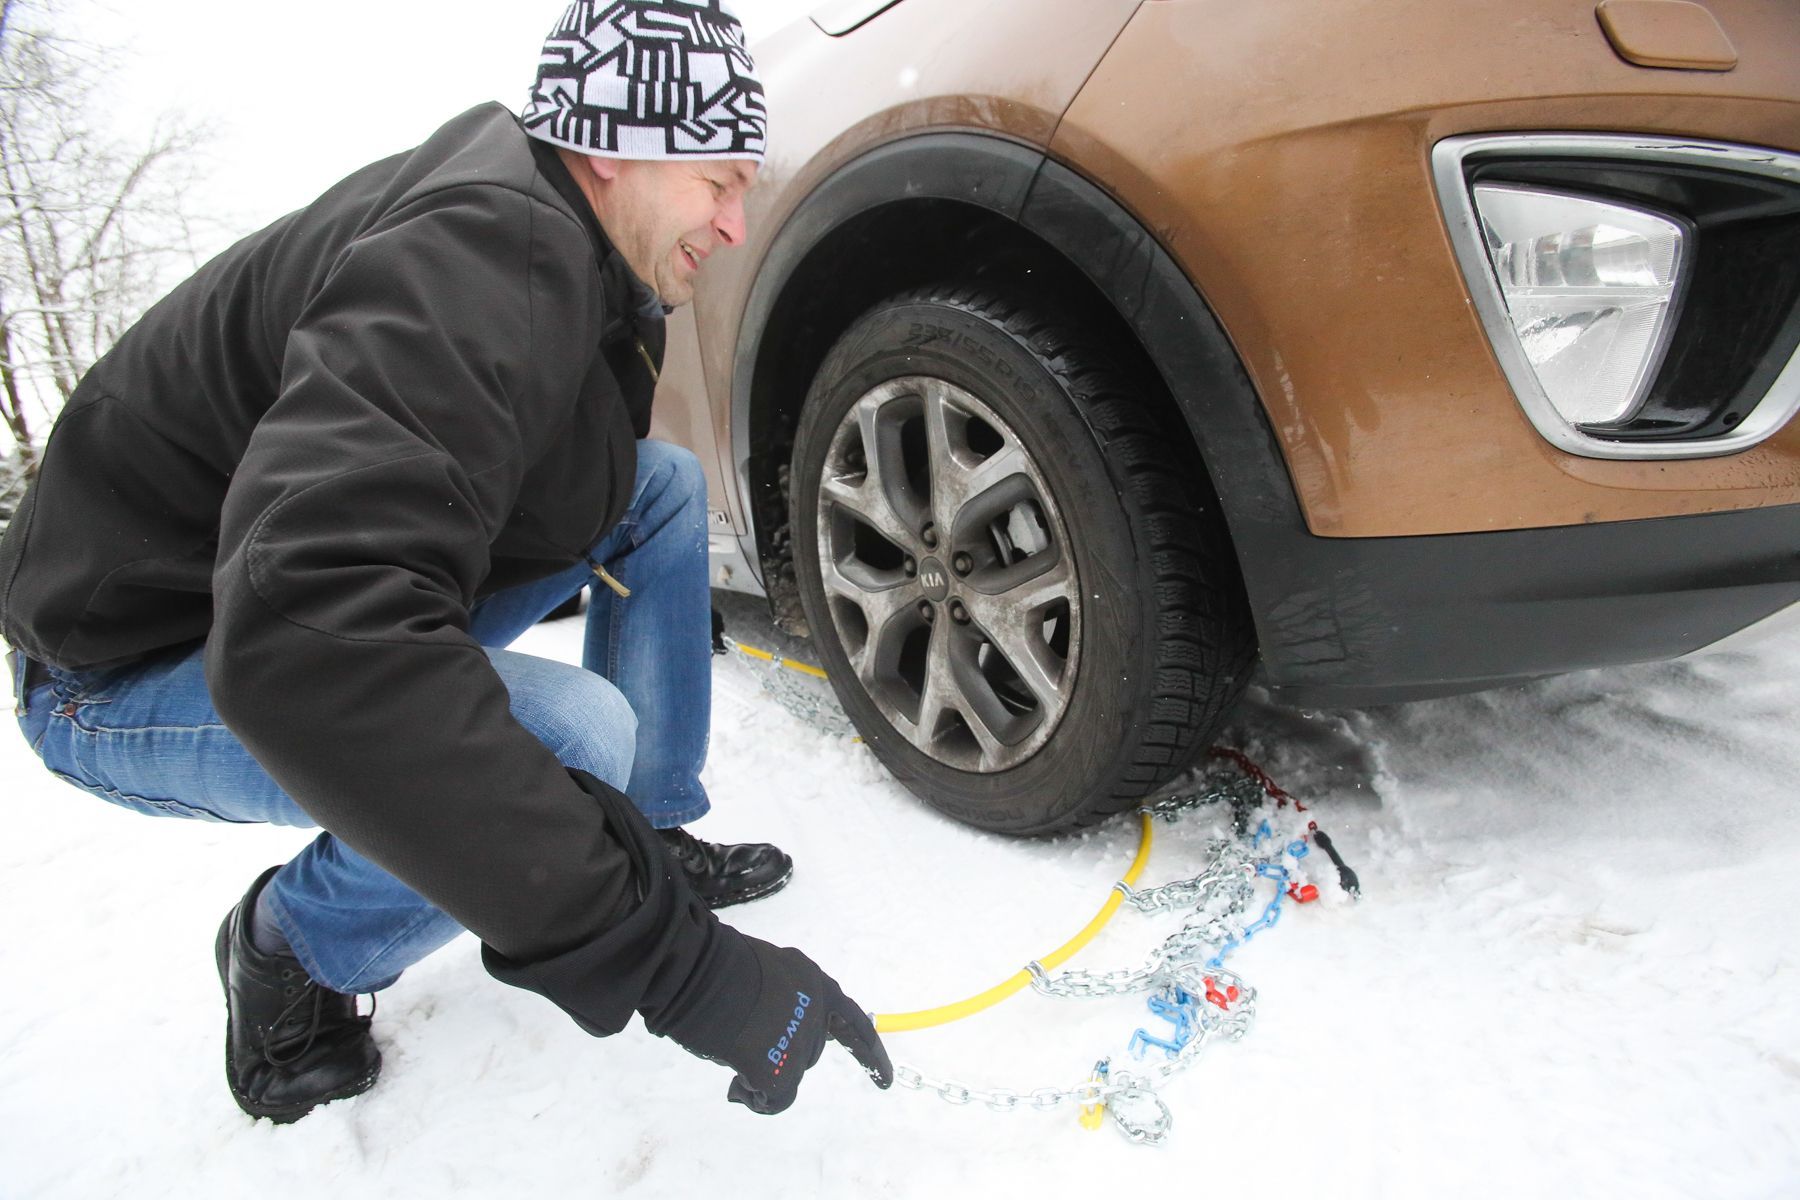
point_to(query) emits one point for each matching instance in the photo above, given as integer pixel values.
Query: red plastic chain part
(1215, 996)
(1270, 788)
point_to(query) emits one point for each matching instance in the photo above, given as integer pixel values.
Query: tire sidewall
(1113, 676)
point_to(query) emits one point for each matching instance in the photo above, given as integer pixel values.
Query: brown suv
(1093, 357)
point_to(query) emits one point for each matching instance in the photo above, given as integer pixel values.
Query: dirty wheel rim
(947, 573)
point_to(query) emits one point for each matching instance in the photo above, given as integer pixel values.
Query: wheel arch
(908, 214)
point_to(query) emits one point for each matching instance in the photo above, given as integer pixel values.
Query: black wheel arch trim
(1200, 367)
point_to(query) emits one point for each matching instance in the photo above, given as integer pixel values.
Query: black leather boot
(290, 1044)
(726, 875)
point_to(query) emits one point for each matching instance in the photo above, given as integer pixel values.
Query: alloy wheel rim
(947, 574)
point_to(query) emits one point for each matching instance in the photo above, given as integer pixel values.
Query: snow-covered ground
(1573, 969)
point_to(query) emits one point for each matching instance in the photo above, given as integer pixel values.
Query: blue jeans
(635, 714)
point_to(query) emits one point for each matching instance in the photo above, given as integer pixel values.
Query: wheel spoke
(879, 499)
(1013, 621)
(939, 444)
(1043, 588)
(958, 474)
(869, 504)
(880, 425)
(940, 689)
(881, 610)
(990, 472)
(993, 750)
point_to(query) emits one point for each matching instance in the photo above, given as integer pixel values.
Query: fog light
(1590, 289)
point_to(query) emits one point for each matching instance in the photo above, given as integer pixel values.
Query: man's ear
(605, 169)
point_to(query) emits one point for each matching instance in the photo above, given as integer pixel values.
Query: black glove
(768, 1013)
(799, 1007)
(720, 993)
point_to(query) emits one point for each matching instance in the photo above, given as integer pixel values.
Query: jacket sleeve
(354, 535)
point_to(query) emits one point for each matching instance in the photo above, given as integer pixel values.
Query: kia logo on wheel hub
(934, 579)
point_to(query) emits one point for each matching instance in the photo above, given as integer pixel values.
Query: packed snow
(1573, 967)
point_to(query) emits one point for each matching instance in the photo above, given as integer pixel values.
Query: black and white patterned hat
(648, 79)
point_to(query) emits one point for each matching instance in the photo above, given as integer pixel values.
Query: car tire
(1027, 604)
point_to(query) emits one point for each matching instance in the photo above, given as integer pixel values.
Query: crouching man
(284, 530)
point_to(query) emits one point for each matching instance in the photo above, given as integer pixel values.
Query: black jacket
(316, 454)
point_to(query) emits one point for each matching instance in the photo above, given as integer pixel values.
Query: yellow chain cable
(789, 663)
(944, 1014)
(925, 1018)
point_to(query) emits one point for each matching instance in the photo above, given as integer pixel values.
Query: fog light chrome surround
(1455, 196)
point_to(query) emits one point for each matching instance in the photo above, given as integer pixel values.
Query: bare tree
(89, 226)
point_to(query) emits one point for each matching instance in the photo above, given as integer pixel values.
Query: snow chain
(1183, 979)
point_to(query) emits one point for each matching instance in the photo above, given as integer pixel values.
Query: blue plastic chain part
(1176, 1006)
(1265, 869)
(1218, 960)
(1141, 1043)
(1298, 848)
(1263, 831)
(1184, 1009)
(1270, 915)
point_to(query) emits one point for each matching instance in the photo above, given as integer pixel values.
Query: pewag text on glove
(778, 1052)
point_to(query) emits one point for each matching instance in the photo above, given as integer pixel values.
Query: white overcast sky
(299, 95)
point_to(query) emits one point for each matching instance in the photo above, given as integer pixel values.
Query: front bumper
(1355, 621)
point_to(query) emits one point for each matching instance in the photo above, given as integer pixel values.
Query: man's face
(667, 216)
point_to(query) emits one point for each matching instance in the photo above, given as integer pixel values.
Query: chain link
(807, 697)
(1229, 863)
(1044, 1099)
(1201, 790)
(1220, 895)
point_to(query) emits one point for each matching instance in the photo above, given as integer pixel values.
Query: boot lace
(309, 994)
(685, 846)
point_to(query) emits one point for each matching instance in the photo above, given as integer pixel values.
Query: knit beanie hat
(648, 79)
